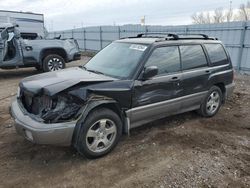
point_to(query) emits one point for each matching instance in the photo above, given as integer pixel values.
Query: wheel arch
(47, 51)
(222, 87)
(93, 105)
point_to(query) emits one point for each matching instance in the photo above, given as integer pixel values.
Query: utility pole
(230, 12)
(143, 20)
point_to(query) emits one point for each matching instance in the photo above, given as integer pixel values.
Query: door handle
(175, 78)
(207, 71)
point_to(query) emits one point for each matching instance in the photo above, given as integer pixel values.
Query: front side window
(192, 56)
(216, 53)
(167, 59)
(117, 60)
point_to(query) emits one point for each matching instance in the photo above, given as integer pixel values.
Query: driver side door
(156, 97)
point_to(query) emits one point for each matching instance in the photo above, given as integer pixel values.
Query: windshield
(117, 60)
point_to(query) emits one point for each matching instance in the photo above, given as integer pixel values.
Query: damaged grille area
(52, 110)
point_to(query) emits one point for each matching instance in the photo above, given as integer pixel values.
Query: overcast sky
(67, 14)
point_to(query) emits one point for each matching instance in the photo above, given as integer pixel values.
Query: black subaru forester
(127, 84)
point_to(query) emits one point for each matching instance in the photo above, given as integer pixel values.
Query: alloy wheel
(55, 64)
(213, 102)
(101, 135)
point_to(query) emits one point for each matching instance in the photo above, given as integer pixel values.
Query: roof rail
(175, 36)
(156, 34)
(193, 34)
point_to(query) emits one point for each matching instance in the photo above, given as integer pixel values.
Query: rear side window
(167, 59)
(216, 53)
(192, 56)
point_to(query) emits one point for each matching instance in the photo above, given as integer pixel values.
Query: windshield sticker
(138, 47)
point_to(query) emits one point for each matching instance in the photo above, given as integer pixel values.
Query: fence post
(84, 40)
(100, 37)
(242, 40)
(186, 30)
(119, 32)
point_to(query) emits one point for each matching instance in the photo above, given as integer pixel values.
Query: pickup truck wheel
(212, 102)
(99, 133)
(53, 62)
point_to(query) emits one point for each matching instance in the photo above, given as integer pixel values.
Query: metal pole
(84, 39)
(119, 32)
(100, 37)
(242, 40)
(186, 30)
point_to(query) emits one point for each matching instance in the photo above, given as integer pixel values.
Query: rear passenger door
(195, 74)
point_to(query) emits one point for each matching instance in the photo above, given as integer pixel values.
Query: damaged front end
(52, 109)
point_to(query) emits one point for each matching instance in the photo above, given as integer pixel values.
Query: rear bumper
(229, 89)
(41, 133)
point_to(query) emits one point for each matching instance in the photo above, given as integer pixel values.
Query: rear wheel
(53, 62)
(99, 133)
(211, 103)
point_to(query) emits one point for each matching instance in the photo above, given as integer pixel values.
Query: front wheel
(53, 62)
(212, 102)
(99, 133)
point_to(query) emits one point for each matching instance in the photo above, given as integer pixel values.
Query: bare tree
(219, 16)
(201, 18)
(196, 18)
(244, 12)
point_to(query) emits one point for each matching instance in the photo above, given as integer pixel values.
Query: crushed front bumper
(41, 133)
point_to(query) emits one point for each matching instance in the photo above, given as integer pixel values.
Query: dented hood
(55, 82)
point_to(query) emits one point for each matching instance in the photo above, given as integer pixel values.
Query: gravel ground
(179, 151)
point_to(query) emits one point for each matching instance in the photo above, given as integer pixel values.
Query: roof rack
(162, 35)
(174, 36)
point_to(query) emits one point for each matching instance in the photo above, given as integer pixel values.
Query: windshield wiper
(94, 71)
(82, 67)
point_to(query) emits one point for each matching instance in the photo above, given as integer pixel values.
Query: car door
(3, 40)
(156, 97)
(195, 75)
(1, 50)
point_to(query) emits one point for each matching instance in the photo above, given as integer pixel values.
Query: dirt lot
(181, 151)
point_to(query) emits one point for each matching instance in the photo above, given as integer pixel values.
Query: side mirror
(150, 72)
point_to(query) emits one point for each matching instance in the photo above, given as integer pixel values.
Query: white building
(29, 23)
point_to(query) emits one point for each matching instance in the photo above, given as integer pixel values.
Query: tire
(99, 133)
(53, 62)
(212, 102)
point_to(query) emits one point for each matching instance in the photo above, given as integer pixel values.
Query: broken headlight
(59, 109)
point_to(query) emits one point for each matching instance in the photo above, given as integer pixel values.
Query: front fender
(91, 105)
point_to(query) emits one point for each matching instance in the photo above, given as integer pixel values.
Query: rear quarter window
(216, 54)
